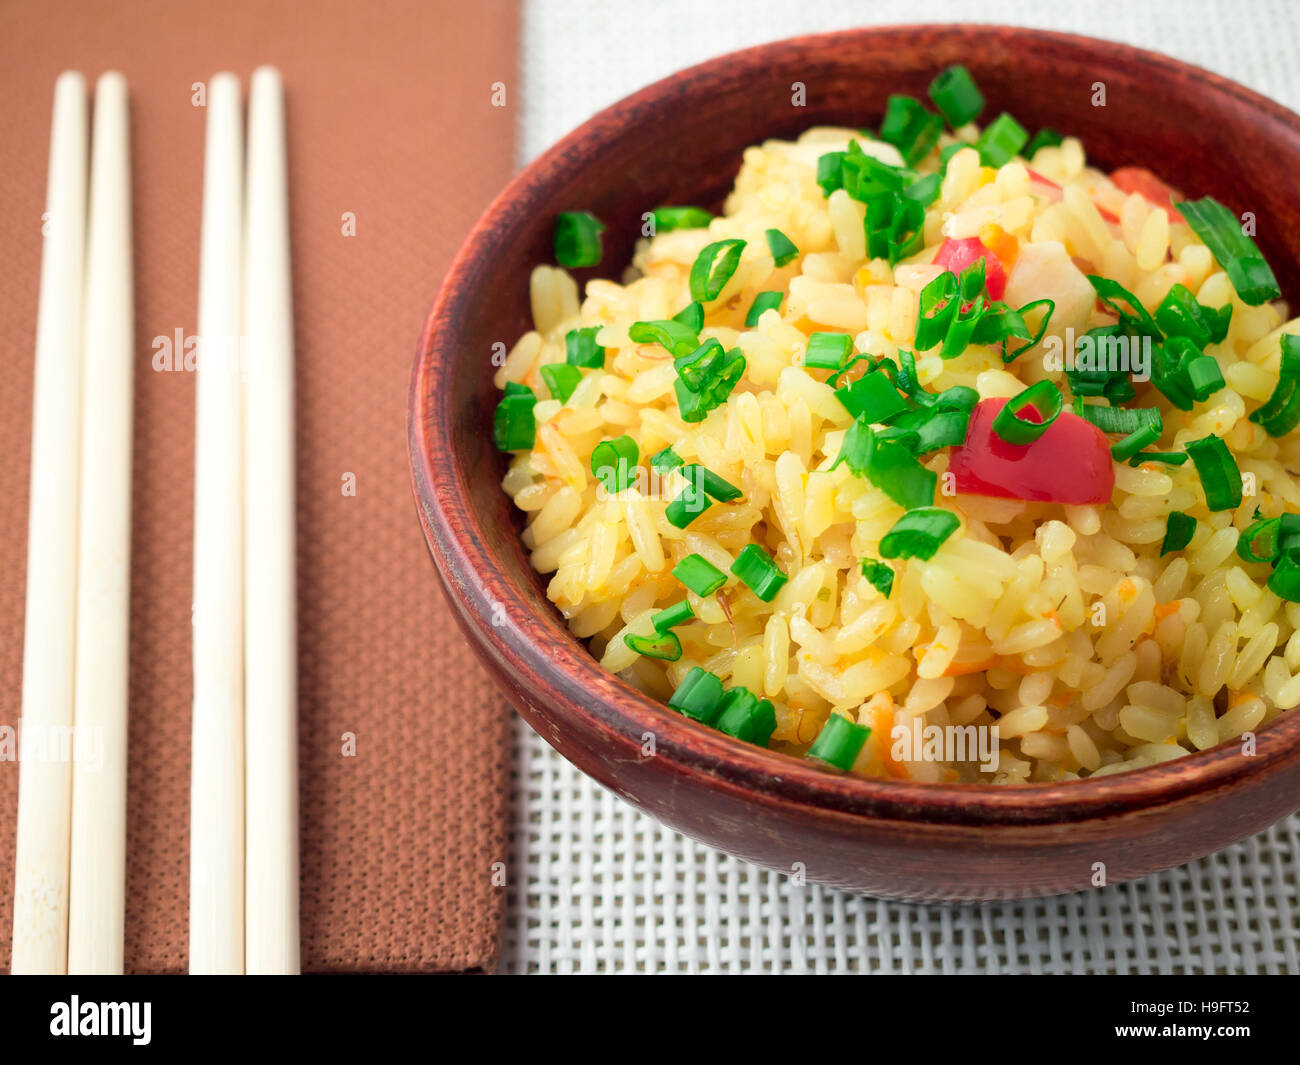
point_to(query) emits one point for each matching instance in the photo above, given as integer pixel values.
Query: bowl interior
(681, 141)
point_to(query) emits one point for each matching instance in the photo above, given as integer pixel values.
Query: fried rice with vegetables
(939, 455)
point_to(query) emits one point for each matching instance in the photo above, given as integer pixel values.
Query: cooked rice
(997, 628)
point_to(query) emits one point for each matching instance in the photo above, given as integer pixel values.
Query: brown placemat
(390, 117)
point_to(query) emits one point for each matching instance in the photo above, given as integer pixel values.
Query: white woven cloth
(597, 886)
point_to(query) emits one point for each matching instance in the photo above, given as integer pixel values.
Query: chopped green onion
(1179, 530)
(577, 238)
(887, 464)
(873, 397)
(880, 575)
(665, 460)
(699, 575)
(669, 218)
(1169, 370)
(1281, 413)
(1123, 303)
(677, 614)
(1043, 398)
(663, 645)
(764, 301)
(826, 351)
(910, 128)
(691, 316)
(938, 304)
(956, 95)
(514, 425)
(830, 172)
(674, 337)
(839, 743)
(713, 268)
(744, 716)
(1180, 315)
(581, 349)
(1204, 376)
(1168, 458)
(688, 506)
(699, 696)
(699, 366)
(1044, 138)
(936, 427)
(919, 533)
(924, 190)
(561, 379)
(1001, 141)
(1261, 542)
(1220, 477)
(1285, 581)
(1149, 430)
(612, 461)
(717, 487)
(756, 568)
(1111, 419)
(782, 247)
(1240, 257)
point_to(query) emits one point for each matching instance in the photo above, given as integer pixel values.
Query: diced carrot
(1163, 610)
(1237, 698)
(960, 669)
(882, 717)
(1052, 615)
(1063, 699)
(1127, 589)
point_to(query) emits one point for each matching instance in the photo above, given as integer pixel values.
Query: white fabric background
(597, 886)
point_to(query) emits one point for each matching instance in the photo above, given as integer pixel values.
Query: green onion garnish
(1043, 398)
(880, 575)
(612, 461)
(956, 95)
(1204, 376)
(673, 336)
(938, 304)
(713, 268)
(665, 460)
(1285, 581)
(826, 351)
(1168, 458)
(1180, 315)
(1132, 315)
(745, 716)
(1261, 542)
(718, 488)
(699, 696)
(688, 506)
(677, 614)
(577, 238)
(581, 349)
(1281, 413)
(925, 190)
(936, 427)
(698, 367)
(1001, 141)
(1239, 256)
(919, 533)
(887, 464)
(910, 128)
(782, 247)
(663, 645)
(1178, 532)
(514, 425)
(1220, 477)
(839, 743)
(561, 379)
(669, 218)
(1148, 432)
(873, 397)
(756, 568)
(699, 575)
(1044, 138)
(764, 301)
(691, 316)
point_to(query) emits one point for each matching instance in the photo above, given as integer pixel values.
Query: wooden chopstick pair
(69, 900)
(244, 783)
(69, 881)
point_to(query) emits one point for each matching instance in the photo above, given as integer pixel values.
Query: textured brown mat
(389, 117)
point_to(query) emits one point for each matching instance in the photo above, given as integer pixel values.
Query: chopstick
(98, 863)
(270, 580)
(40, 929)
(217, 750)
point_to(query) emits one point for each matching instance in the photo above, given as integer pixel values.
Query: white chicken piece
(1046, 271)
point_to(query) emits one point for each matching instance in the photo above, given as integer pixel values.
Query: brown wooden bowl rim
(568, 674)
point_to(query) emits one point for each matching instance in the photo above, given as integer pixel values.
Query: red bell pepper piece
(1070, 463)
(957, 254)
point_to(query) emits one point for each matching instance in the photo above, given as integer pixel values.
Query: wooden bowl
(680, 141)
